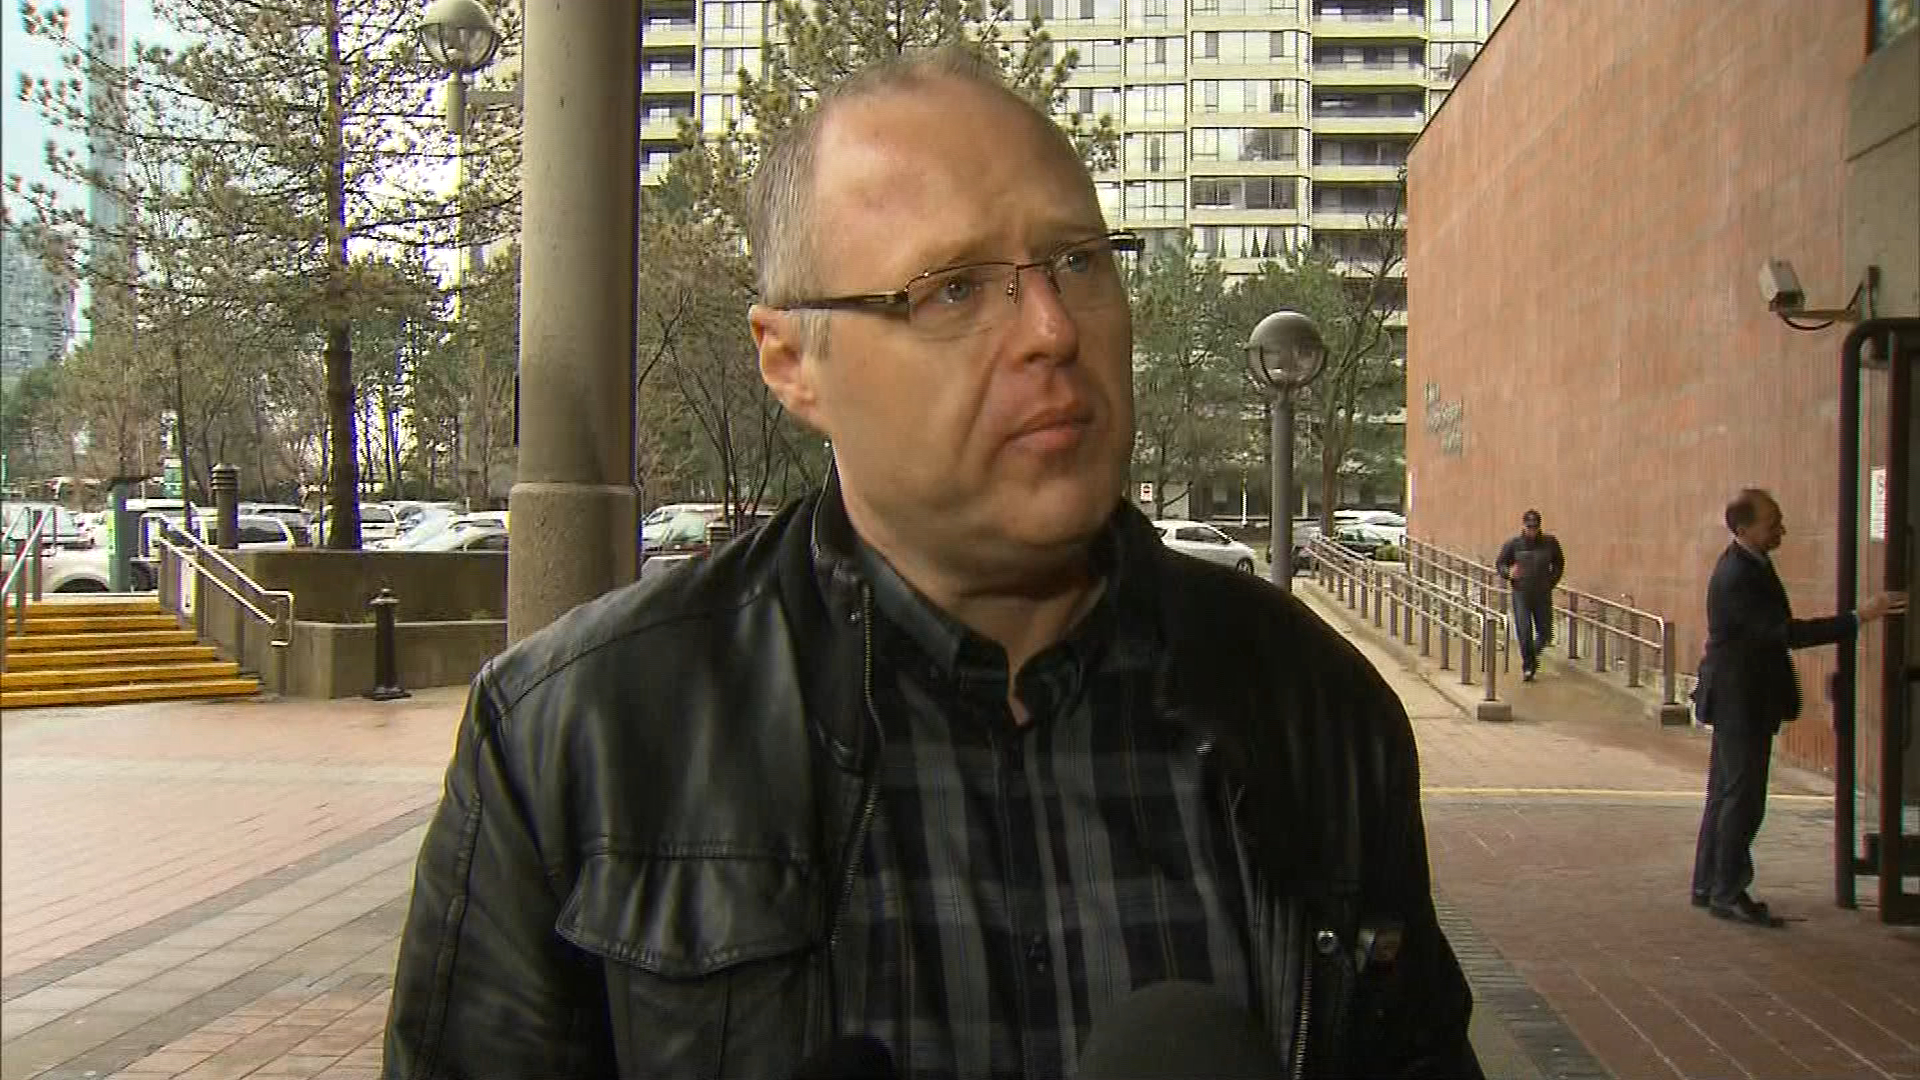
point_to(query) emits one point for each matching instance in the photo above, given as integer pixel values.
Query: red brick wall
(1588, 216)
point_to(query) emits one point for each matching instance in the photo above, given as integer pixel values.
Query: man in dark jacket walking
(1532, 564)
(954, 755)
(1747, 688)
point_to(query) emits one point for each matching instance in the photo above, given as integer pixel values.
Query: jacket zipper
(1306, 1013)
(871, 799)
(1303, 1017)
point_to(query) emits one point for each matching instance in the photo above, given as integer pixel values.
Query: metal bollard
(1466, 657)
(1426, 627)
(1487, 658)
(1633, 651)
(1600, 627)
(1573, 627)
(1668, 667)
(386, 673)
(1446, 643)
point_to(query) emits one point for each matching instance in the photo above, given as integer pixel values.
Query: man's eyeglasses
(960, 301)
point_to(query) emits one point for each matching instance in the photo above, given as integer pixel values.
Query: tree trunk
(343, 480)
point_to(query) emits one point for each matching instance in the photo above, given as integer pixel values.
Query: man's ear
(784, 365)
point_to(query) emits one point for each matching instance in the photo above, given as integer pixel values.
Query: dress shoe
(1701, 899)
(1747, 910)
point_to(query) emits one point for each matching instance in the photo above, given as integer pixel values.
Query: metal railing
(26, 573)
(187, 562)
(1397, 603)
(1610, 632)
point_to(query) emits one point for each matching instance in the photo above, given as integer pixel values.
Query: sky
(23, 132)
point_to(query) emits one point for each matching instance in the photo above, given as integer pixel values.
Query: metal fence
(1417, 613)
(1610, 633)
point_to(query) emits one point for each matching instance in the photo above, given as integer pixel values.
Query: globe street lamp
(460, 38)
(1284, 353)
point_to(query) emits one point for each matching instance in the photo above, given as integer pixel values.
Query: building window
(1110, 204)
(1156, 200)
(720, 68)
(1156, 56)
(733, 20)
(1286, 8)
(1246, 192)
(1156, 104)
(716, 110)
(1160, 151)
(1091, 102)
(1097, 56)
(1279, 97)
(1154, 13)
(1273, 145)
(1249, 46)
(1247, 241)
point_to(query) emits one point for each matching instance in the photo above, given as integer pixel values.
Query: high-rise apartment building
(1251, 125)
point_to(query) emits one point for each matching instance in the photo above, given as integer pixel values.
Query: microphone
(849, 1057)
(1178, 1029)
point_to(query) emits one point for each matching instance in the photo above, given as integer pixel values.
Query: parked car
(476, 538)
(1203, 541)
(260, 532)
(688, 535)
(78, 570)
(1358, 541)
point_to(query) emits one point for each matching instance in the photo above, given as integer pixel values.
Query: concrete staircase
(104, 650)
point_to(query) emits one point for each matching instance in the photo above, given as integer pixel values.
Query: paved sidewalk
(1565, 838)
(214, 891)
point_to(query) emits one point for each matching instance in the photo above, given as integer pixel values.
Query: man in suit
(1747, 689)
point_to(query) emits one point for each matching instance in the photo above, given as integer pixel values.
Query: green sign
(170, 484)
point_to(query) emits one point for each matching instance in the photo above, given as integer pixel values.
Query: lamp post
(1284, 353)
(460, 38)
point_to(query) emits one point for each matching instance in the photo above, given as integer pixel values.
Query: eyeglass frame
(899, 303)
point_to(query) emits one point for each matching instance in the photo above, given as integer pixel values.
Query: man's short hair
(1531, 517)
(780, 201)
(1744, 511)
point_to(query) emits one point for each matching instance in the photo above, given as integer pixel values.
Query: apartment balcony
(668, 79)
(1387, 75)
(1251, 69)
(1353, 220)
(661, 127)
(1370, 174)
(1246, 168)
(668, 34)
(1363, 270)
(1349, 124)
(1245, 22)
(1235, 215)
(1381, 28)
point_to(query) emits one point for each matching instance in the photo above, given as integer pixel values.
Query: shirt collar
(1120, 632)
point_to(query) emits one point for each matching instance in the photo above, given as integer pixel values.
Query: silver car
(1203, 541)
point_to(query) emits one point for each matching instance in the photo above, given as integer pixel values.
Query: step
(116, 639)
(42, 623)
(131, 692)
(55, 678)
(92, 604)
(92, 658)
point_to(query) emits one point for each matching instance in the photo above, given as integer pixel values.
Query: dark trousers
(1532, 625)
(1736, 803)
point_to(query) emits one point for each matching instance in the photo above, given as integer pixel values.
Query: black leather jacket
(653, 809)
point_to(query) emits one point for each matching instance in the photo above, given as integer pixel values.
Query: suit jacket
(1747, 681)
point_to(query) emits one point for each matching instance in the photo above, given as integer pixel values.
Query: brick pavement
(1565, 839)
(213, 892)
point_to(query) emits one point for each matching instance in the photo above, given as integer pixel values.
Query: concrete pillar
(574, 529)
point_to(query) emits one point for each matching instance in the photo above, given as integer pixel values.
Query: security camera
(1781, 287)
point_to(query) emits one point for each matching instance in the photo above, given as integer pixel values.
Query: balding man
(955, 754)
(1747, 688)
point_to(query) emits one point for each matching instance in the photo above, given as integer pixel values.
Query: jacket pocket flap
(686, 918)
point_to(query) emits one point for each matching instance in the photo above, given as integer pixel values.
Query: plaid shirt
(1016, 881)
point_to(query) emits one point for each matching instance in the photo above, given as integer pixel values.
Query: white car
(1382, 525)
(1203, 541)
